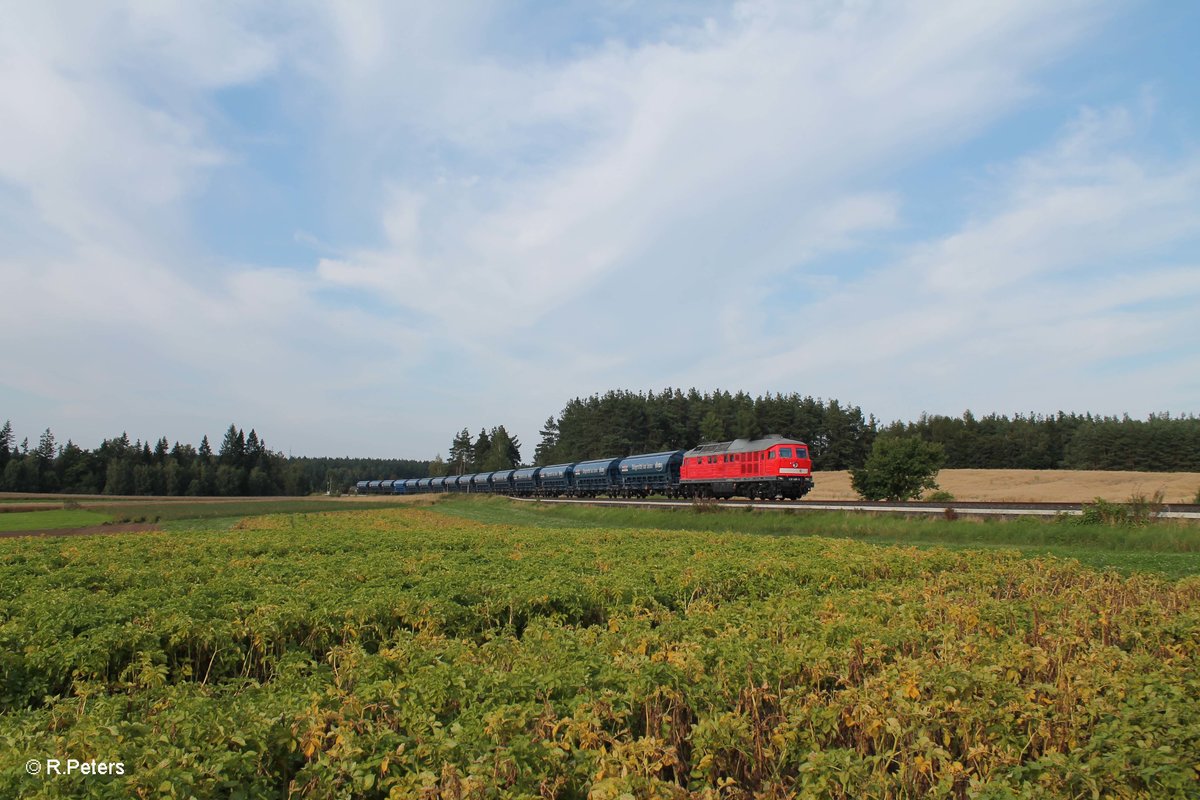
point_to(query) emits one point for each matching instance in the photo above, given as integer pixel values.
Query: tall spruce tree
(461, 453)
(544, 453)
(712, 429)
(481, 450)
(233, 447)
(6, 444)
(46, 448)
(504, 452)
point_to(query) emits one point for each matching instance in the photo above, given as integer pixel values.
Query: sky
(360, 227)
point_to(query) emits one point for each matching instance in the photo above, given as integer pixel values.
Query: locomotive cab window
(785, 452)
(801, 452)
(770, 454)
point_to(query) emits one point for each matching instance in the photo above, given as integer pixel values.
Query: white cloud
(675, 206)
(742, 133)
(1069, 269)
(100, 122)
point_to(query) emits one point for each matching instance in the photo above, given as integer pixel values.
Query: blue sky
(361, 227)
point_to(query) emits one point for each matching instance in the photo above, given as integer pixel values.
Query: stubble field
(1035, 486)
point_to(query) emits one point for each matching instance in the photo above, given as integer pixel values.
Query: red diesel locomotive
(757, 468)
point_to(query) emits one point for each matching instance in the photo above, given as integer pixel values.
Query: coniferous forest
(617, 423)
(242, 465)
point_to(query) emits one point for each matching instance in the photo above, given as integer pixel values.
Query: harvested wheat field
(1035, 485)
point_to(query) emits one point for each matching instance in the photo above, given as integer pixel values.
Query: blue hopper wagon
(653, 473)
(502, 481)
(602, 476)
(557, 479)
(525, 481)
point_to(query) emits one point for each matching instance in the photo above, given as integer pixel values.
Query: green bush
(1137, 510)
(939, 496)
(1103, 512)
(898, 468)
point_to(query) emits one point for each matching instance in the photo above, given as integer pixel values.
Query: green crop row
(406, 653)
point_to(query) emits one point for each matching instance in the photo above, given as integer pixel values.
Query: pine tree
(461, 453)
(45, 448)
(481, 450)
(711, 427)
(512, 449)
(546, 447)
(746, 425)
(504, 453)
(6, 443)
(233, 447)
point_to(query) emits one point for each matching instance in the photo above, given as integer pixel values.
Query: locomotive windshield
(801, 452)
(785, 452)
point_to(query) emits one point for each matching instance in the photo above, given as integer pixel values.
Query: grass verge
(221, 509)
(49, 520)
(1168, 547)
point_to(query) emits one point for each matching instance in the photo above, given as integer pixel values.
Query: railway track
(969, 509)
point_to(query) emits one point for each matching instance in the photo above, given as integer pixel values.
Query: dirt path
(91, 530)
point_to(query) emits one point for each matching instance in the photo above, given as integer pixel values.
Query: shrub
(939, 496)
(1103, 512)
(1137, 510)
(898, 468)
(1144, 509)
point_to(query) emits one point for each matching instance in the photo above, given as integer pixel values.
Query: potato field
(408, 653)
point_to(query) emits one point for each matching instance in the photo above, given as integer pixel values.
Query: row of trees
(840, 437)
(616, 423)
(243, 465)
(1161, 443)
(338, 474)
(488, 453)
(621, 423)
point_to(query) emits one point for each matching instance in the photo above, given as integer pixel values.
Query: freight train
(762, 469)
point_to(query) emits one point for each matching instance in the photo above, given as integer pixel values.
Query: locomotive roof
(742, 445)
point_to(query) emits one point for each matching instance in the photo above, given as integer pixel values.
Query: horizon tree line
(615, 424)
(243, 465)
